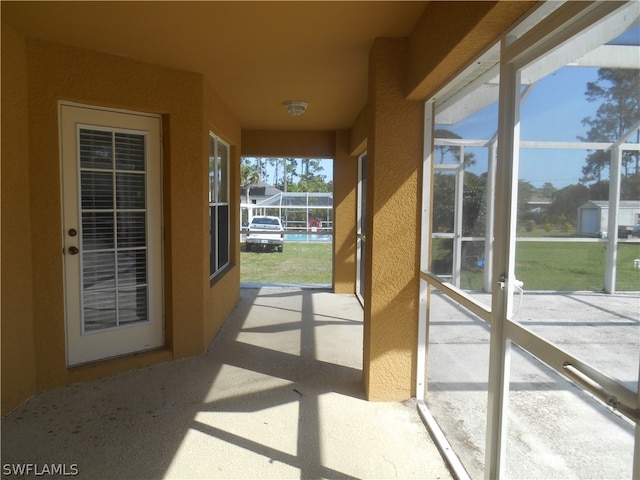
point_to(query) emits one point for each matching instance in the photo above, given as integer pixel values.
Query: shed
(593, 216)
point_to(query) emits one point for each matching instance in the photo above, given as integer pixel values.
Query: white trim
(361, 238)
(454, 463)
(215, 202)
(614, 207)
(425, 246)
(97, 108)
(82, 347)
(523, 61)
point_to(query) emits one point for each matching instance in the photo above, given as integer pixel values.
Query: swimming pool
(305, 237)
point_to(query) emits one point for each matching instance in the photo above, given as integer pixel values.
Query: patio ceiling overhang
(256, 55)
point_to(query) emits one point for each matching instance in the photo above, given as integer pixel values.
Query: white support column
(503, 269)
(489, 226)
(425, 248)
(457, 221)
(614, 208)
(636, 447)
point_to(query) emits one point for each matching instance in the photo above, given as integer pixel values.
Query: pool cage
(464, 242)
(306, 216)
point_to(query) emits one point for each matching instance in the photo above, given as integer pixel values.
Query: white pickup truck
(265, 232)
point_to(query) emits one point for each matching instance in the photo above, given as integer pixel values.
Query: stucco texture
(393, 197)
(345, 188)
(194, 309)
(18, 351)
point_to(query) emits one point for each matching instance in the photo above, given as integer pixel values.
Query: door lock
(73, 250)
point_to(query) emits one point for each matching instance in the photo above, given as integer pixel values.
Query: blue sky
(553, 111)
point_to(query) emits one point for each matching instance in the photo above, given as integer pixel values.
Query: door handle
(73, 250)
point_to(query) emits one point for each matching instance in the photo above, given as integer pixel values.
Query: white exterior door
(112, 220)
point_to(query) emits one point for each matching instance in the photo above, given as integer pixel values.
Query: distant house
(258, 192)
(593, 216)
(538, 204)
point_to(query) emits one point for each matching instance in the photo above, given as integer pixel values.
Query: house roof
(260, 190)
(255, 54)
(604, 204)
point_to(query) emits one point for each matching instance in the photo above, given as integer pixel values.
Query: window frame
(218, 176)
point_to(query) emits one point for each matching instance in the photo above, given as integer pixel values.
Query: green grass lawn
(540, 265)
(574, 266)
(298, 263)
(566, 266)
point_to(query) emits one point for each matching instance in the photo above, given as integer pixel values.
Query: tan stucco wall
(37, 74)
(17, 281)
(394, 159)
(345, 189)
(358, 133)
(402, 74)
(189, 108)
(222, 294)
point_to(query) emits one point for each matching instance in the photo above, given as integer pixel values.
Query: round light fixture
(295, 107)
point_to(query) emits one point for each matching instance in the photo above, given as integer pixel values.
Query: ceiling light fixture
(295, 107)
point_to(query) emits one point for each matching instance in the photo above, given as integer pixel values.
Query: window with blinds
(113, 228)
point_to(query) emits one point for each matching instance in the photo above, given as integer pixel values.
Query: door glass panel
(132, 305)
(131, 229)
(132, 267)
(99, 308)
(97, 190)
(98, 271)
(129, 151)
(130, 191)
(97, 230)
(96, 149)
(114, 263)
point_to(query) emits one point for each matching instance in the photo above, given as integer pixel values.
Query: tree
(526, 192)
(290, 171)
(444, 150)
(567, 200)
(249, 175)
(275, 162)
(619, 111)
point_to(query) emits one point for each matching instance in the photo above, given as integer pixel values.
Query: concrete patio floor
(278, 394)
